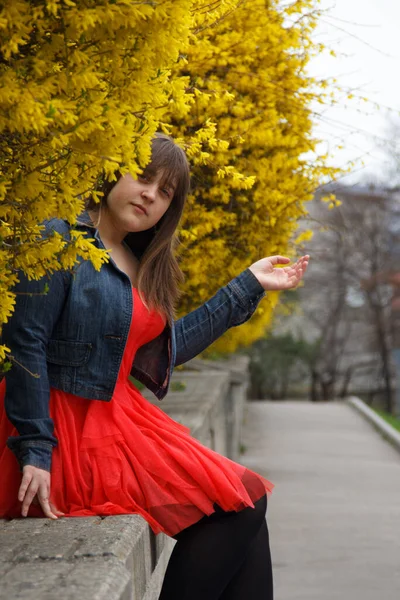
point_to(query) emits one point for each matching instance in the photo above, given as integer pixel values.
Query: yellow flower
(227, 79)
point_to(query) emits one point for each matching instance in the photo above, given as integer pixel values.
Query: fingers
(299, 267)
(27, 491)
(38, 493)
(296, 271)
(45, 504)
(29, 495)
(35, 489)
(26, 479)
(301, 264)
(273, 276)
(55, 510)
(279, 260)
(283, 260)
(304, 264)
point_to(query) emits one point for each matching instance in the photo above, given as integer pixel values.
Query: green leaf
(51, 112)
(6, 366)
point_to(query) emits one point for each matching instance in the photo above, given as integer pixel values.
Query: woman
(86, 440)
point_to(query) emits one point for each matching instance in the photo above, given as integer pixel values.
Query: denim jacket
(73, 337)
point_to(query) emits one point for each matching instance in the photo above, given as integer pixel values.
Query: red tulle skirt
(127, 456)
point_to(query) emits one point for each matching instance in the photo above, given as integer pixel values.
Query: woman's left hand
(282, 278)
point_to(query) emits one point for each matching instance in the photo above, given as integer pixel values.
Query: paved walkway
(334, 516)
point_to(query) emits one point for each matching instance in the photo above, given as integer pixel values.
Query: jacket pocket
(72, 354)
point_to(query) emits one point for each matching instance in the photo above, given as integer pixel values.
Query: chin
(132, 226)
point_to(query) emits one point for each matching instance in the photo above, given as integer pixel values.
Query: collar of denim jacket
(85, 220)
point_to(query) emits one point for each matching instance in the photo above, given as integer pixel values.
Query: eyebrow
(150, 172)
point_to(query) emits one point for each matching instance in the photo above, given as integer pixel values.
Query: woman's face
(135, 205)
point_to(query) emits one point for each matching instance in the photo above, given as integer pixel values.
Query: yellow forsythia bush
(83, 87)
(248, 73)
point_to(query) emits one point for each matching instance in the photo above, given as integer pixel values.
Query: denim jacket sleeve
(232, 305)
(27, 386)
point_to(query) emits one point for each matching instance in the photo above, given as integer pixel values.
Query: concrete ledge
(70, 558)
(237, 367)
(386, 430)
(200, 406)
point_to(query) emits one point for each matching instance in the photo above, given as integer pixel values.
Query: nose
(149, 191)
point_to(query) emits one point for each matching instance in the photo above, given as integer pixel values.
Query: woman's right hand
(35, 487)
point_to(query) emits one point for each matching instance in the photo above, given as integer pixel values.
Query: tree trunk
(328, 389)
(346, 382)
(385, 357)
(314, 396)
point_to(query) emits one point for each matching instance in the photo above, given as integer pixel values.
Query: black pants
(225, 556)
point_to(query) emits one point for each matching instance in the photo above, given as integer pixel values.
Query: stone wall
(119, 558)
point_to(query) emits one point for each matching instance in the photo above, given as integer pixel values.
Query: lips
(141, 208)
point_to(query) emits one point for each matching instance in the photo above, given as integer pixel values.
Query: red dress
(127, 456)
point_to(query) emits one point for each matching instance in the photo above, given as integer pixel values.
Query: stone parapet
(383, 427)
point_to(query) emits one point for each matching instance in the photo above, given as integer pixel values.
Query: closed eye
(143, 178)
(167, 192)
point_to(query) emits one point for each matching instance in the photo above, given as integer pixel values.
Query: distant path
(334, 516)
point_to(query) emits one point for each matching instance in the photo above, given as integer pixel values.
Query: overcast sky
(365, 34)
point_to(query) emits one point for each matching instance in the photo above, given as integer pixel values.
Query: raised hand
(282, 278)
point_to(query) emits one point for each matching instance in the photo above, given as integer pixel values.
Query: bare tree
(350, 246)
(329, 285)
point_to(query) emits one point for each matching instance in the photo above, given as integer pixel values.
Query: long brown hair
(159, 274)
